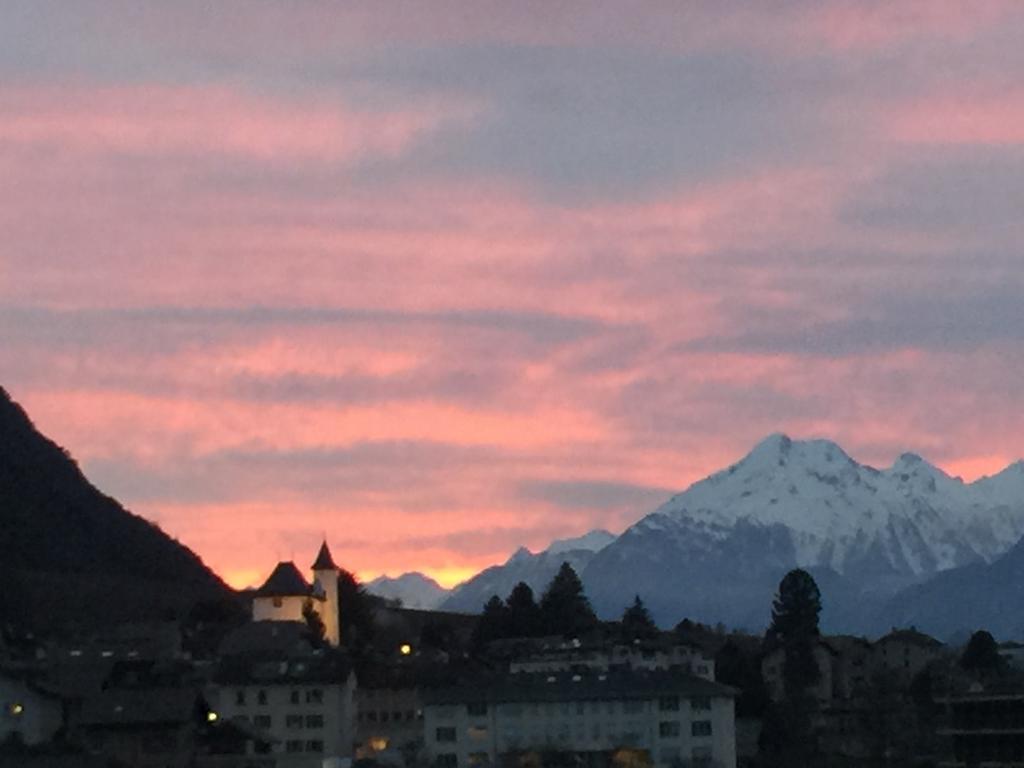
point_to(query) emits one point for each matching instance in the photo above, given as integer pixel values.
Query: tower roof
(285, 581)
(324, 561)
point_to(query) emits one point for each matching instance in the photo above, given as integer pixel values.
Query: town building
(591, 716)
(554, 654)
(984, 728)
(299, 698)
(286, 593)
(31, 713)
(904, 653)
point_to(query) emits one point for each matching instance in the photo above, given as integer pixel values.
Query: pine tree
(795, 627)
(637, 622)
(314, 624)
(564, 607)
(493, 623)
(788, 737)
(523, 611)
(982, 654)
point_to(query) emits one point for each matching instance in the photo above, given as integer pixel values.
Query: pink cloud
(154, 120)
(979, 115)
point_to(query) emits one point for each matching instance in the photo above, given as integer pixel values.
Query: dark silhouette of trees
(742, 670)
(315, 628)
(564, 607)
(637, 622)
(355, 611)
(493, 624)
(788, 737)
(982, 654)
(794, 627)
(523, 612)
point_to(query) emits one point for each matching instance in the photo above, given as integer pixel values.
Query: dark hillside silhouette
(73, 555)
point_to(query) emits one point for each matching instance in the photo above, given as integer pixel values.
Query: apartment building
(592, 715)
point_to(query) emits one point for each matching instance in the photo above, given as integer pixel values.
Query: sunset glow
(447, 279)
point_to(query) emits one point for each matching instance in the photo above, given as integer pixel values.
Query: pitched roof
(569, 686)
(911, 637)
(285, 581)
(324, 561)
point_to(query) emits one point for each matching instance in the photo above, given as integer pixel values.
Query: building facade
(286, 593)
(668, 716)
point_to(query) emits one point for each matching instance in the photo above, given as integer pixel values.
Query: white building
(285, 593)
(560, 654)
(299, 698)
(669, 715)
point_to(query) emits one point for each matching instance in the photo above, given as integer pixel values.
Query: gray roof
(323, 666)
(285, 581)
(267, 637)
(324, 561)
(142, 706)
(577, 686)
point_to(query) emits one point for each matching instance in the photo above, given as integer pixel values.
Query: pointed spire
(324, 561)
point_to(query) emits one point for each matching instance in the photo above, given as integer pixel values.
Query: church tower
(325, 581)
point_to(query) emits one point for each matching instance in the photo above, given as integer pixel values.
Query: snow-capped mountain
(537, 570)
(715, 551)
(414, 590)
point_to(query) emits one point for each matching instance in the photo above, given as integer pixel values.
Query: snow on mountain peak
(594, 541)
(839, 510)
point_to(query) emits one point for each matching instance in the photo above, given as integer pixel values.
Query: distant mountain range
(414, 590)
(717, 551)
(73, 556)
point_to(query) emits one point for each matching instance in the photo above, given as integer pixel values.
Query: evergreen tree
(355, 611)
(637, 622)
(982, 654)
(788, 737)
(564, 608)
(523, 611)
(314, 624)
(795, 627)
(493, 623)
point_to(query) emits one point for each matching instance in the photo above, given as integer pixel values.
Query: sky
(437, 280)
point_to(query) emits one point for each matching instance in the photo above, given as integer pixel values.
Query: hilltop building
(284, 594)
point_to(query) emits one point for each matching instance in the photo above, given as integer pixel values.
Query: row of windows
(313, 696)
(298, 745)
(408, 716)
(666, 729)
(309, 721)
(631, 706)
(671, 729)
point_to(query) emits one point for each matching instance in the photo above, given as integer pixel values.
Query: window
(314, 745)
(701, 756)
(447, 760)
(479, 758)
(700, 728)
(669, 755)
(410, 715)
(314, 721)
(632, 707)
(580, 707)
(477, 708)
(668, 703)
(700, 704)
(315, 696)
(261, 721)
(478, 732)
(444, 734)
(278, 602)
(295, 697)
(240, 698)
(261, 698)
(293, 745)
(384, 717)
(293, 721)
(371, 716)
(669, 729)
(396, 716)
